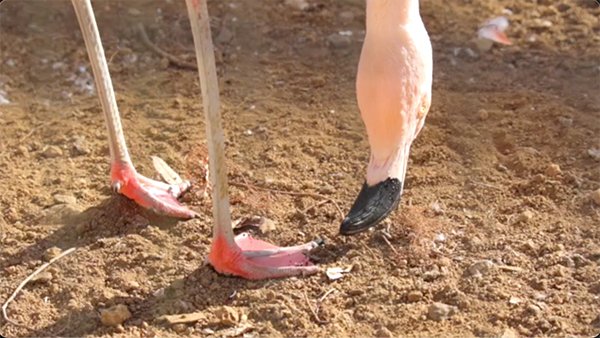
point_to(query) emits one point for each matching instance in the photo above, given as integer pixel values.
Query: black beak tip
(373, 205)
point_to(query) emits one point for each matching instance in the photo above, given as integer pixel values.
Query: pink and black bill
(373, 205)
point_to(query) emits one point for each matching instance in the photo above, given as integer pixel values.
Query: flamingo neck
(385, 14)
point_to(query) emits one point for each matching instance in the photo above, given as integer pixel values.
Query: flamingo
(394, 93)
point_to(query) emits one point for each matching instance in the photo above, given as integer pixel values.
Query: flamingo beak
(373, 204)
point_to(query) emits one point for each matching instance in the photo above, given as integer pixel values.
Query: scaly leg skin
(240, 256)
(148, 193)
(255, 259)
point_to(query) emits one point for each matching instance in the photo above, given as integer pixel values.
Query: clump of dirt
(488, 241)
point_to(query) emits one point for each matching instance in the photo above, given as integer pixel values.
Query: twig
(172, 58)
(314, 313)
(184, 318)
(326, 294)
(320, 300)
(316, 205)
(26, 136)
(510, 268)
(387, 241)
(112, 56)
(293, 193)
(24, 282)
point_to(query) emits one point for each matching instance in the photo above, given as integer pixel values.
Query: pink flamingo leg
(150, 194)
(240, 256)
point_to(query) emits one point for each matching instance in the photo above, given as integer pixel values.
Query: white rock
(479, 268)
(440, 311)
(297, 4)
(594, 153)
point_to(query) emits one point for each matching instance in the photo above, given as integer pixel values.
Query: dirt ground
(491, 238)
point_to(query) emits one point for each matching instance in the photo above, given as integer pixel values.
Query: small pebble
(384, 333)
(347, 16)
(594, 153)
(227, 316)
(64, 199)
(115, 315)
(131, 285)
(566, 122)
(336, 40)
(525, 217)
(553, 170)
(509, 333)
(483, 114)
(79, 146)
(479, 268)
(51, 253)
(579, 260)
(437, 208)
(533, 309)
(225, 35)
(300, 5)
(267, 225)
(567, 261)
(595, 196)
(440, 311)
(563, 7)
(22, 150)
(179, 328)
(414, 296)
(52, 152)
(43, 277)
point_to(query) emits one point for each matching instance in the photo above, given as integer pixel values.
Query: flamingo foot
(255, 259)
(157, 196)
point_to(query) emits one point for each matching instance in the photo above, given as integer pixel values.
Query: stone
(52, 152)
(533, 309)
(479, 268)
(483, 114)
(179, 328)
(338, 41)
(64, 199)
(225, 35)
(51, 253)
(509, 333)
(43, 277)
(566, 122)
(594, 153)
(437, 208)
(22, 150)
(414, 296)
(267, 225)
(525, 217)
(440, 311)
(300, 5)
(227, 316)
(347, 16)
(79, 146)
(62, 214)
(595, 196)
(115, 315)
(553, 170)
(563, 7)
(384, 333)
